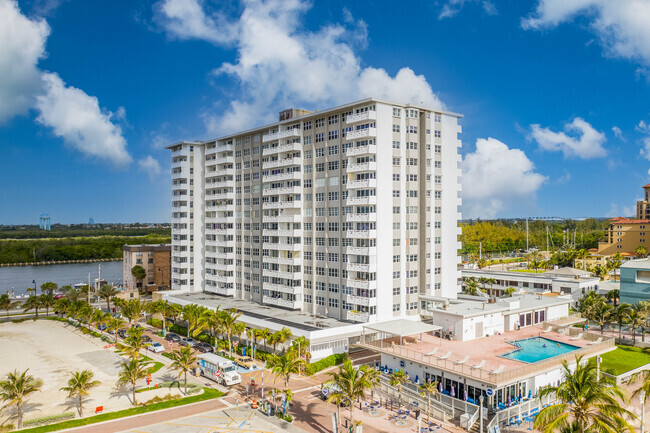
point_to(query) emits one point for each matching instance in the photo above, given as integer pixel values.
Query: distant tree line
(80, 230)
(509, 235)
(81, 248)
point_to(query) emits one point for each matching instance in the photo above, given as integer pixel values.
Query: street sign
(171, 343)
(489, 392)
(218, 373)
(235, 343)
(304, 357)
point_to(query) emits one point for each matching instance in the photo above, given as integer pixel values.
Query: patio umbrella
(439, 386)
(465, 396)
(453, 392)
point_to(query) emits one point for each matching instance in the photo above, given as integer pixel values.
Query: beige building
(156, 261)
(624, 235)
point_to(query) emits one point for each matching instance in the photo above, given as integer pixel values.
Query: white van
(219, 369)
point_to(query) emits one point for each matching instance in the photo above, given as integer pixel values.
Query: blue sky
(556, 94)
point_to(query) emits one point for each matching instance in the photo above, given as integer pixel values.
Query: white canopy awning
(401, 327)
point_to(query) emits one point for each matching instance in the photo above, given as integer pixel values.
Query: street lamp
(642, 401)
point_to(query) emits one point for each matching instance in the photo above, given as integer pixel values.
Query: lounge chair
(464, 360)
(479, 365)
(577, 337)
(600, 340)
(433, 352)
(498, 370)
(447, 355)
(547, 329)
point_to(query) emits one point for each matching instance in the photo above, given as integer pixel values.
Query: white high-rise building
(350, 212)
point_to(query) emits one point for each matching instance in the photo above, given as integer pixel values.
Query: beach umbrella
(453, 392)
(465, 396)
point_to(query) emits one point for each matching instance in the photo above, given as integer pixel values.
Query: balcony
(221, 267)
(220, 148)
(282, 246)
(361, 251)
(362, 183)
(283, 218)
(220, 254)
(294, 204)
(282, 190)
(219, 231)
(360, 217)
(282, 288)
(361, 267)
(220, 172)
(361, 133)
(357, 316)
(179, 175)
(364, 166)
(361, 150)
(287, 147)
(221, 243)
(292, 305)
(221, 278)
(361, 284)
(282, 232)
(361, 234)
(223, 291)
(292, 175)
(360, 117)
(281, 163)
(221, 196)
(297, 261)
(281, 274)
(220, 206)
(360, 300)
(228, 159)
(294, 132)
(365, 200)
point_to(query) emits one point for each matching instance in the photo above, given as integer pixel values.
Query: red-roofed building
(624, 235)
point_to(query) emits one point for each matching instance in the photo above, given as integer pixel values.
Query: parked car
(156, 347)
(204, 347)
(146, 339)
(188, 341)
(172, 337)
(59, 296)
(246, 362)
(121, 333)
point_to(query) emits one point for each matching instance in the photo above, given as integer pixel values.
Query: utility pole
(526, 234)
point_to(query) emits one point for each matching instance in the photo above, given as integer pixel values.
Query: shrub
(324, 363)
(287, 418)
(48, 419)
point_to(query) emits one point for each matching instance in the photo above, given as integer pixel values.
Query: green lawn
(207, 394)
(623, 359)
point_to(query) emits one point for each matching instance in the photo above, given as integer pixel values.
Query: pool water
(537, 349)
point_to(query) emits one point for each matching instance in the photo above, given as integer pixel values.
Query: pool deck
(496, 369)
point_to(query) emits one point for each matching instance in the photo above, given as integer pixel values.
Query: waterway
(19, 278)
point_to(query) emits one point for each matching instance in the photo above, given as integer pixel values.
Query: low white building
(470, 317)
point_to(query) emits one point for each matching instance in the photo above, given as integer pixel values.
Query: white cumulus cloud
(280, 65)
(22, 46)
(187, 19)
(497, 178)
(618, 133)
(621, 25)
(78, 119)
(587, 144)
(150, 165)
(452, 7)
(644, 128)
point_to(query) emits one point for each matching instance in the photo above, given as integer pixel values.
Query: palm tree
(285, 366)
(284, 335)
(85, 314)
(237, 330)
(32, 303)
(399, 378)
(99, 319)
(49, 287)
(510, 291)
(61, 306)
(287, 397)
(6, 303)
(429, 388)
(228, 319)
(72, 293)
(641, 252)
(613, 296)
(133, 342)
(601, 313)
(191, 313)
(183, 359)
(113, 324)
(79, 384)
(85, 291)
(621, 313)
(133, 370)
(471, 285)
(161, 307)
(264, 335)
(584, 401)
(352, 383)
(132, 309)
(107, 292)
(302, 343)
(636, 317)
(15, 389)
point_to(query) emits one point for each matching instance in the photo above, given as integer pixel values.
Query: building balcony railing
(361, 251)
(281, 274)
(282, 246)
(283, 218)
(361, 133)
(220, 172)
(361, 267)
(221, 243)
(292, 175)
(220, 148)
(360, 217)
(365, 200)
(221, 267)
(282, 232)
(180, 175)
(220, 206)
(362, 183)
(358, 316)
(221, 196)
(294, 132)
(223, 291)
(281, 163)
(292, 290)
(283, 190)
(360, 117)
(293, 305)
(220, 254)
(361, 234)
(361, 150)
(287, 147)
(360, 300)
(295, 261)
(364, 166)
(221, 278)
(294, 204)
(361, 284)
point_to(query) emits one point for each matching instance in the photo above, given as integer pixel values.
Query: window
(320, 152)
(320, 167)
(333, 165)
(438, 148)
(411, 145)
(333, 150)
(397, 112)
(333, 119)
(320, 300)
(396, 193)
(395, 144)
(333, 303)
(320, 122)
(437, 118)
(396, 161)
(395, 177)
(412, 129)
(320, 137)
(395, 128)
(396, 307)
(412, 161)
(438, 179)
(437, 134)
(396, 209)
(307, 125)
(396, 259)
(333, 135)
(308, 299)
(396, 242)
(308, 139)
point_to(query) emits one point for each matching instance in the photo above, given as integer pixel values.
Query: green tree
(132, 309)
(622, 314)
(510, 291)
(161, 307)
(352, 384)
(133, 342)
(85, 290)
(636, 316)
(584, 401)
(228, 319)
(641, 252)
(113, 324)
(49, 287)
(32, 303)
(133, 370)
(107, 292)
(183, 360)
(471, 285)
(264, 334)
(301, 346)
(16, 388)
(430, 389)
(72, 293)
(6, 303)
(79, 384)
(285, 365)
(601, 313)
(139, 273)
(613, 296)
(398, 378)
(47, 301)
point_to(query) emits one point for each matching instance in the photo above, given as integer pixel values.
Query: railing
(281, 162)
(360, 117)
(359, 133)
(362, 183)
(368, 199)
(357, 316)
(294, 132)
(517, 410)
(363, 166)
(282, 176)
(439, 410)
(361, 150)
(288, 147)
(281, 204)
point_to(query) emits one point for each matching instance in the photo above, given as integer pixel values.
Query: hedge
(324, 363)
(44, 420)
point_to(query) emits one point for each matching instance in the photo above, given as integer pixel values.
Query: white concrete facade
(349, 213)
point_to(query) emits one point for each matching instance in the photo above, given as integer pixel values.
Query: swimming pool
(537, 349)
